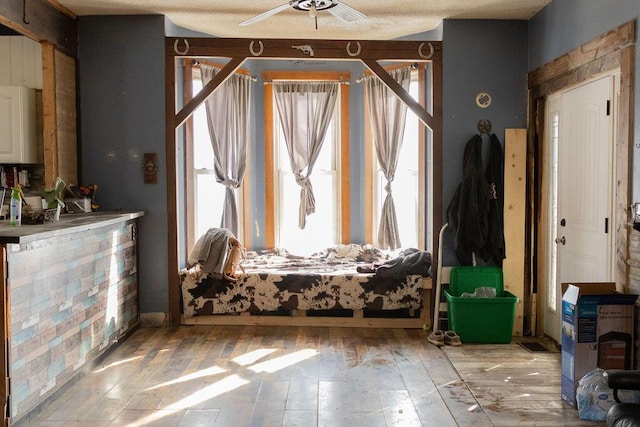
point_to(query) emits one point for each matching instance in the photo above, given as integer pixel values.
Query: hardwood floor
(295, 376)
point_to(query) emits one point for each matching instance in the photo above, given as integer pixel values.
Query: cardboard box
(597, 331)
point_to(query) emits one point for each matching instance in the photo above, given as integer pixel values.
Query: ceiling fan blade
(346, 13)
(265, 15)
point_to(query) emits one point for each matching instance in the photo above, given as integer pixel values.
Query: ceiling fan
(336, 8)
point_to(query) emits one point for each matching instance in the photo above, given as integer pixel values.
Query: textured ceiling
(386, 19)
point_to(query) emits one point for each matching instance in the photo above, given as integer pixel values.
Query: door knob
(561, 240)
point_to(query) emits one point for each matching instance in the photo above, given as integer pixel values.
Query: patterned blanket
(276, 280)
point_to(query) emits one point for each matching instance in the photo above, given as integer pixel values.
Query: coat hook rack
(484, 126)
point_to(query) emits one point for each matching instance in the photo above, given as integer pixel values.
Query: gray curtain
(387, 114)
(228, 121)
(305, 110)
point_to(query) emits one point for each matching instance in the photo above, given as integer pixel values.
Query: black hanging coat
(467, 213)
(494, 249)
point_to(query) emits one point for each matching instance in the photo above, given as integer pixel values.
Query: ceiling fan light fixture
(340, 10)
(316, 5)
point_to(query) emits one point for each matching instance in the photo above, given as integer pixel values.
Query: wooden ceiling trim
(305, 49)
(367, 51)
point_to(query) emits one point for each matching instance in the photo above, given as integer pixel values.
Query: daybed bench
(348, 285)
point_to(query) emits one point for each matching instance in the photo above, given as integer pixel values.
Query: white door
(580, 145)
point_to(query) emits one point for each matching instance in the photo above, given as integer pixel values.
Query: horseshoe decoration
(422, 55)
(356, 53)
(256, 53)
(186, 47)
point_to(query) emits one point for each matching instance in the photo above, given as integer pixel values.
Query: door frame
(556, 102)
(607, 52)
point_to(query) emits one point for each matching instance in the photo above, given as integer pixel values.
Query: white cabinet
(17, 125)
(20, 62)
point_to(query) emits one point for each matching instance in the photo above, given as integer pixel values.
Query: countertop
(68, 223)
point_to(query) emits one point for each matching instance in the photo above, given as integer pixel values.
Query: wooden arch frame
(612, 50)
(238, 50)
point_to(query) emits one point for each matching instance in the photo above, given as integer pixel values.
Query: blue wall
(479, 56)
(121, 91)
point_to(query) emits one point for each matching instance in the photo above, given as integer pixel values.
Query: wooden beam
(393, 85)
(515, 174)
(317, 49)
(207, 90)
(41, 21)
(49, 114)
(173, 247)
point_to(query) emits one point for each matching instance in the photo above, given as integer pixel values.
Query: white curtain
(305, 110)
(387, 113)
(228, 121)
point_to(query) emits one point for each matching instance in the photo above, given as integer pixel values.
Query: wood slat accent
(515, 158)
(624, 158)
(66, 131)
(50, 114)
(59, 116)
(591, 57)
(322, 49)
(44, 22)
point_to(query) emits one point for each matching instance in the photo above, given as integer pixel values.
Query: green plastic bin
(480, 320)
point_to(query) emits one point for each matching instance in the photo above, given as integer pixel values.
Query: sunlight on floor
(118, 363)
(224, 385)
(283, 361)
(253, 356)
(214, 370)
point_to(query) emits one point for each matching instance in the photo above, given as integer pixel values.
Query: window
(206, 196)
(329, 224)
(322, 227)
(409, 184)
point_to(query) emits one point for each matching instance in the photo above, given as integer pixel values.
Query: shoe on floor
(436, 338)
(452, 339)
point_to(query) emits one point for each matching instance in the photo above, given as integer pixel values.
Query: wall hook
(484, 126)
(24, 12)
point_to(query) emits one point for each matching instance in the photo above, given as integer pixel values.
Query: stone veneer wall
(71, 297)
